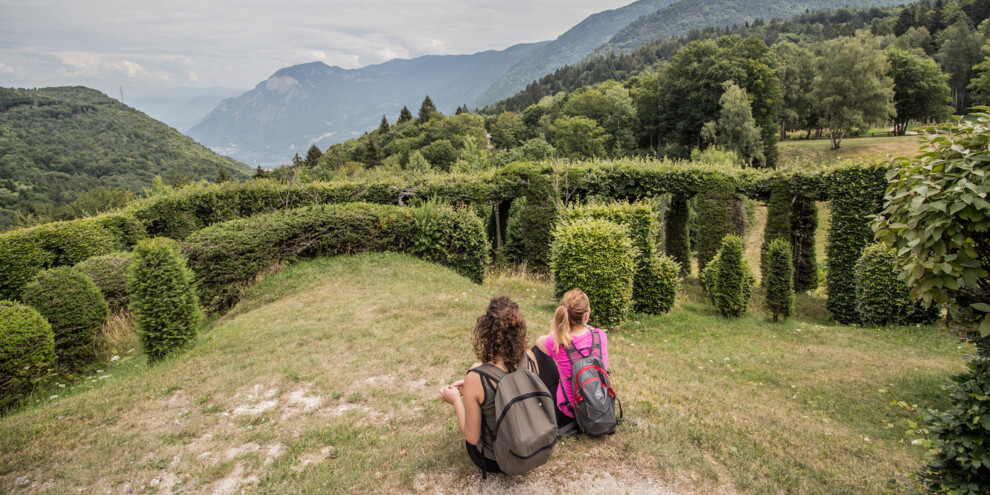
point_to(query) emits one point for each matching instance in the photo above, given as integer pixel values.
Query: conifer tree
(427, 110)
(260, 173)
(313, 156)
(383, 127)
(404, 116)
(779, 279)
(223, 175)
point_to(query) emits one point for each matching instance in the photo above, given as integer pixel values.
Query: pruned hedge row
(27, 351)
(228, 256)
(882, 299)
(25, 252)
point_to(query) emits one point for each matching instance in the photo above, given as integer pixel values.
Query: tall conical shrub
(728, 279)
(162, 295)
(779, 279)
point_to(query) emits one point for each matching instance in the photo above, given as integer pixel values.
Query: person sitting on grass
(569, 328)
(499, 340)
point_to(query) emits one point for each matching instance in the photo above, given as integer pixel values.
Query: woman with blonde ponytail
(569, 330)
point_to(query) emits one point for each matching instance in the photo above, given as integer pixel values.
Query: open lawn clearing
(820, 150)
(325, 379)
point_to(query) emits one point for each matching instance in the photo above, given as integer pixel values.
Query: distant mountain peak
(307, 70)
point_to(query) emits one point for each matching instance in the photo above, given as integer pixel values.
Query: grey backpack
(594, 399)
(526, 425)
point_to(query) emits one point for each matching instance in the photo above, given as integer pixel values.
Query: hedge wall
(228, 256)
(677, 242)
(719, 213)
(25, 252)
(856, 193)
(804, 224)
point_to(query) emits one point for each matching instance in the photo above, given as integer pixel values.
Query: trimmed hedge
(25, 252)
(228, 256)
(779, 279)
(74, 307)
(778, 219)
(804, 223)
(728, 279)
(677, 242)
(515, 236)
(656, 284)
(163, 297)
(27, 351)
(719, 213)
(109, 273)
(598, 257)
(882, 299)
(856, 194)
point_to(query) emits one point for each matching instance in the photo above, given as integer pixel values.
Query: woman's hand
(450, 394)
(459, 385)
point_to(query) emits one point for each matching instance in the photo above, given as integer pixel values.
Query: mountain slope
(58, 142)
(182, 108)
(681, 17)
(317, 104)
(570, 47)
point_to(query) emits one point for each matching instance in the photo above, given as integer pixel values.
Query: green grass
(325, 379)
(820, 150)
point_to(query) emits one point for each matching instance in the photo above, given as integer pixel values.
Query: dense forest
(718, 94)
(67, 152)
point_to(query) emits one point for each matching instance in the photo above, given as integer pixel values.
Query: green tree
(508, 130)
(441, 154)
(372, 154)
(383, 127)
(921, 90)
(313, 156)
(960, 51)
(852, 86)
(621, 122)
(260, 173)
(578, 137)
(736, 130)
(404, 116)
(797, 77)
(427, 111)
(979, 86)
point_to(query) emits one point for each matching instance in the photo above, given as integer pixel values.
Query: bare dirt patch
(618, 481)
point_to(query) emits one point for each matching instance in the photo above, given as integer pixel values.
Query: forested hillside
(59, 143)
(683, 16)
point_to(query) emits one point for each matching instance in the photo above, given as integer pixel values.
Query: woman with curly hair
(499, 341)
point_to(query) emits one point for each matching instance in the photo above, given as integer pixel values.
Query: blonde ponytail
(561, 329)
(570, 314)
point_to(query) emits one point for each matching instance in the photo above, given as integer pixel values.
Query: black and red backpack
(594, 399)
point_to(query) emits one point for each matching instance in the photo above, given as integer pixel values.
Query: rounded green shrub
(656, 285)
(882, 299)
(27, 351)
(109, 273)
(728, 279)
(74, 307)
(163, 297)
(598, 257)
(779, 279)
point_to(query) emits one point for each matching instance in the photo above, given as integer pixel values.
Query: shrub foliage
(163, 297)
(728, 279)
(677, 243)
(27, 351)
(109, 273)
(779, 279)
(804, 223)
(228, 256)
(598, 257)
(719, 213)
(74, 307)
(881, 298)
(657, 282)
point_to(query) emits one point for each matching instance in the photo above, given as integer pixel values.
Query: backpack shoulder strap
(596, 343)
(489, 372)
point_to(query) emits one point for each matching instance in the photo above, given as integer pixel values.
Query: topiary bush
(957, 440)
(454, 238)
(804, 223)
(109, 273)
(656, 285)
(162, 296)
(719, 213)
(778, 218)
(779, 279)
(27, 351)
(677, 242)
(728, 279)
(882, 299)
(598, 257)
(515, 236)
(74, 307)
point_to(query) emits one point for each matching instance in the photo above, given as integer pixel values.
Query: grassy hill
(58, 142)
(324, 379)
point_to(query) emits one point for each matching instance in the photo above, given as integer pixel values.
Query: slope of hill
(568, 48)
(182, 108)
(681, 17)
(58, 142)
(291, 393)
(317, 104)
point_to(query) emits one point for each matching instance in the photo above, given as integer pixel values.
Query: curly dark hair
(500, 333)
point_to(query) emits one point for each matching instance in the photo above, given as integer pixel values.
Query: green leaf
(985, 327)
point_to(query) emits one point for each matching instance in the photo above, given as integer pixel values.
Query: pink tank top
(565, 391)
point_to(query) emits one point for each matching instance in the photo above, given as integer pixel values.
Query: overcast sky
(143, 45)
